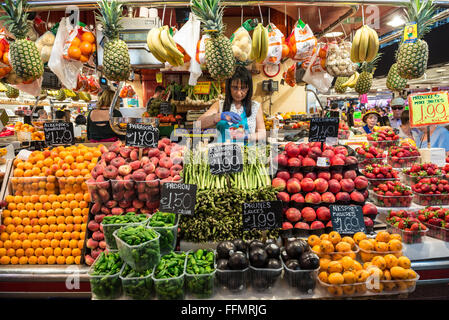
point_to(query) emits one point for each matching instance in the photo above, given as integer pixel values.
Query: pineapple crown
(210, 13)
(421, 12)
(110, 16)
(371, 66)
(16, 17)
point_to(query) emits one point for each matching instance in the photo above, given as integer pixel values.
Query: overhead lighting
(333, 34)
(397, 21)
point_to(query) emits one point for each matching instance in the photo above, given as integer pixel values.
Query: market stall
(328, 207)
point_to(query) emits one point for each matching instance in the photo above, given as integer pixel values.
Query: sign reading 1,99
(428, 108)
(262, 215)
(225, 159)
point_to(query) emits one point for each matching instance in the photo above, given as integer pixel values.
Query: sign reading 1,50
(261, 220)
(177, 200)
(435, 112)
(345, 223)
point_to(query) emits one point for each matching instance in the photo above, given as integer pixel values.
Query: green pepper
(165, 224)
(167, 276)
(104, 285)
(137, 285)
(200, 273)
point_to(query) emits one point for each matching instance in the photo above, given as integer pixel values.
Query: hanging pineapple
(365, 80)
(116, 60)
(412, 58)
(338, 85)
(11, 92)
(220, 59)
(25, 58)
(394, 80)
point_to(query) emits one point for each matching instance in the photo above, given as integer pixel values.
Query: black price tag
(322, 128)
(58, 133)
(265, 215)
(178, 198)
(347, 219)
(225, 159)
(141, 135)
(165, 108)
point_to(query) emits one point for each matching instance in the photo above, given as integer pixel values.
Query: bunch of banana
(69, 93)
(365, 45)
(259, 46)
(351, 81)
(163, 47)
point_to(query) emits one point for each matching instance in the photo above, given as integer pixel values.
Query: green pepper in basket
(168, 276)
(165, 224)
(137, 285)
(200, 273)
(104, 280)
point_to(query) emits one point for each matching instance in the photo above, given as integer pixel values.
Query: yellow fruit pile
(384, 243)
(332, 246)
(37, 136)
(45, 219)
(25, 127)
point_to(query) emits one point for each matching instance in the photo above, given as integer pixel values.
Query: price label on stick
(265, 215)
(58, 133)
(322, 128)
(225, 158)
(141, 135)
(347, 219)
(178, 198)
(430, 108)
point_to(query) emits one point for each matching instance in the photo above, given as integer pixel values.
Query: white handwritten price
(176, 200)
(346, 224)
(260, 221)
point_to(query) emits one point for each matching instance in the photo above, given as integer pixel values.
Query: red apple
(302, 225)
(334, 186)
(307, 185)
(313, 197)
(293, 214)
(317, 225)
(279, 184)
(361, 183)
(293, 185)
(285, 175)
(323, 214)
(328, 197)
(308, 214)
(321, 185)
(347, 185)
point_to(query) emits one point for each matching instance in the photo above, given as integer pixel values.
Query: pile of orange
(44, 223)
(4, 51)
(38, 136)
(82, 47)
(384, 243)
(332, 246)
(25, 127)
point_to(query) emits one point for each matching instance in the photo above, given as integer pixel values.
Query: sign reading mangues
(58, 133)
(141, 135)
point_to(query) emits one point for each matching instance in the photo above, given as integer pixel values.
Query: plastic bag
(241, 41)
(5, 66)
(79, 44)
(275, 45)
(200, 56)
(316, 74)
(290, 76)
(302, 42)
(33, 88)
(338, 59)
(45, 45)
(66, 70)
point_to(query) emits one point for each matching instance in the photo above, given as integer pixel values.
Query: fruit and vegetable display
(436, 219)
(265, 264)
(407, 225)
(137, 285)
(300, 265)
(338, 59)
(168, 276)
(166, 225)
(431, 191)
(425, 170)
(138, 246)
(392, 194)
(380, 173)
(369, 155)
(200, 273)
(163, 46)
(104, 276)
(232, 265)
(403, 156)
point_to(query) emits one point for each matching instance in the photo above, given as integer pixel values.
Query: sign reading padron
(429, 108)
(225, 158)
(179, 198)
(347, 219)
(141, 135)
(264, 215)
(322, 128)
(58, 133)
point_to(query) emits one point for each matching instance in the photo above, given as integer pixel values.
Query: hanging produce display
(5, 66)
(276, 45)
(302, 42)
(116, 60)
(45, 44)
(259, 47)
(242, 43)
(25, 58)
(79, 45)
(163, 47)
(338, 59)
(394, 81)
(365, 79)
(365, 45)
(220, 59)
(338, 86)
(412, 56)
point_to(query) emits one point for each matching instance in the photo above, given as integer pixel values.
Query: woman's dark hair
(405, 118)
(60, 114)
(80, 119)
(244, 76)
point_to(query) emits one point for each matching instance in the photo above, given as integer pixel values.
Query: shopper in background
(350, 116)
(397, 106)
(384, 120)
(238, 109)
(157, 95)
(405, 131)
(98, 127)
(370, 118)
(439, 137)
(334, 112)
(42, 114)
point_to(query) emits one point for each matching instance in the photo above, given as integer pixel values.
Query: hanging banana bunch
(259, 46)
(365, 45)
(163, 47)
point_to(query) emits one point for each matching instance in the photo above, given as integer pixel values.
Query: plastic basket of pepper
(168, 276)
(104, 276)
(115, 222)
(166, 224)
(137, 285)
(200, 273)
(138, 246)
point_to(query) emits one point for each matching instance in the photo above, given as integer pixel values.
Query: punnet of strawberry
(392, 194)
(425, 170)
(379, 173)
(369, 155)
(407, 225)
(383, 137)
(343, 131)
(403, 156)
(436, 219)
(431, 191)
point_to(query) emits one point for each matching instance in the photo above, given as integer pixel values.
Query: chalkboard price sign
(322, 128)
(264, 215)
(225, 159)
(165, 108)
(347, 219)
(141, 135)
(178, 198)
(58, 133)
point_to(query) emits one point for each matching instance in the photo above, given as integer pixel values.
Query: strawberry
(414, 227)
